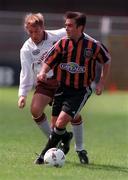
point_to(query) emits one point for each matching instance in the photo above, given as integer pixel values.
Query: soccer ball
(54, 157)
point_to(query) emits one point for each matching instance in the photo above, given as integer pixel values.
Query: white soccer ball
(54, 157)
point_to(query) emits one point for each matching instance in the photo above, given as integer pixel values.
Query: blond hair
(33, 20)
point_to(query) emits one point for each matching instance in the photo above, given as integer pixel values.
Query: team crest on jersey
(35, 52)
(88, 52)
(72, 67)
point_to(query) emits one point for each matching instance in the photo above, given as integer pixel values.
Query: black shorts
(70, 100)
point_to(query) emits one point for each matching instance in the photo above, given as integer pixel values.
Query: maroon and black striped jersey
(74, 63)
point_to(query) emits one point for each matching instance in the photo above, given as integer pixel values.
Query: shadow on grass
(93, 166)
(108, 167)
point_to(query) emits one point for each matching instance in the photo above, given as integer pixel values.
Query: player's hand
(42, 76)
(22, 102)
(99, 88)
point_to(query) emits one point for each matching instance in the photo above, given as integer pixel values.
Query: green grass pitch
(106, 140)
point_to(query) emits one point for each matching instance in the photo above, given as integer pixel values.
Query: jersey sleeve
(53, 56)
(103, 55)
(61, 33)
(58, 34)
(26, 74)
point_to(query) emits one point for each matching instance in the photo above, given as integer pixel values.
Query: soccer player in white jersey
(39, 42)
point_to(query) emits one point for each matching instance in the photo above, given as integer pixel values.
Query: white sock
(78, 136)
(45, 128)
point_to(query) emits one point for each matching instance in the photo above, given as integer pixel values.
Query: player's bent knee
(39, 119)
(77, 120)
(35, 111)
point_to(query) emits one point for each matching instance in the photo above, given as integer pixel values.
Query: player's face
(36, 33)
(72, 30)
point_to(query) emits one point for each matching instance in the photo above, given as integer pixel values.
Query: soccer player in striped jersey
(73, 59)
(39, 42)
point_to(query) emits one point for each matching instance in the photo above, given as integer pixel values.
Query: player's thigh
(39, 102)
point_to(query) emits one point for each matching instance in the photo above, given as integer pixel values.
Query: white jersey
(30, 53)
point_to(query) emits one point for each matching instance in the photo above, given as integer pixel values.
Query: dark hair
(80, 18)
